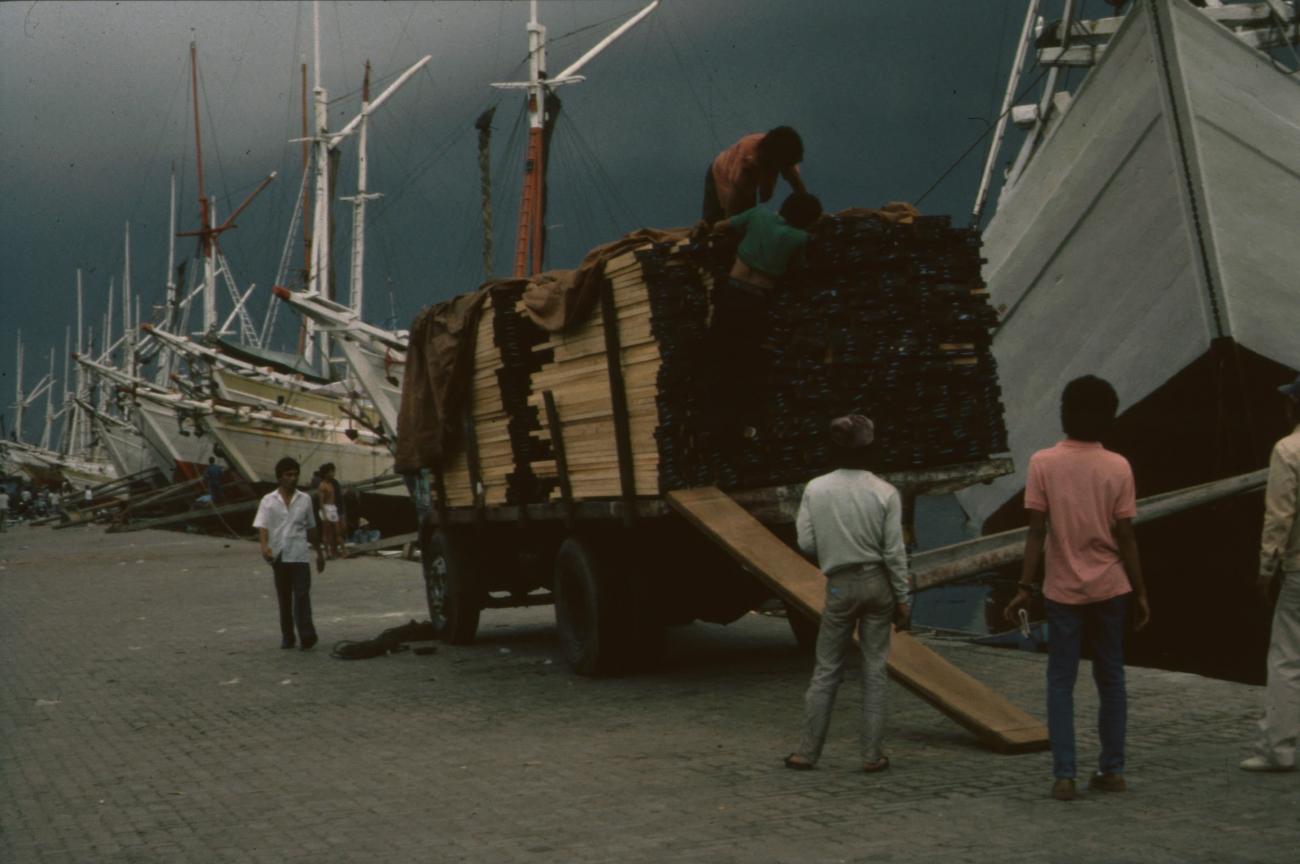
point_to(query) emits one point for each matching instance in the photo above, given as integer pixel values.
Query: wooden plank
(618, 398)
(561, 462)
(995, 721)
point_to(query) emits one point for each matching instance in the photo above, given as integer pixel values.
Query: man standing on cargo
(1280, 551)
(1081, 500)
(744, 175)
(285, 526)
(851, 521)
(770, 243)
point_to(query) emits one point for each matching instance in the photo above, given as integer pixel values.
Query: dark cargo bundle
(885, 319)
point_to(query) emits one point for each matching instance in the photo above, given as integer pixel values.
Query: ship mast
(208, 234)
(528, 231)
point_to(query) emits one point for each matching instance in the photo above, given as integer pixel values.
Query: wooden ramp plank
(995, 721)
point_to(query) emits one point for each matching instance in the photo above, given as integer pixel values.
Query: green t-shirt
(769, 241)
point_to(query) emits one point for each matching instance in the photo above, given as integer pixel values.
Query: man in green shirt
(769, 243)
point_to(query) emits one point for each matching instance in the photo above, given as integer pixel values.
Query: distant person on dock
(744, 175)
(769, 243)
(212, 475)
(331, 503)
(4, 507)
(851, 522)
(285, 526)
(1280, 554)
(1081, 500)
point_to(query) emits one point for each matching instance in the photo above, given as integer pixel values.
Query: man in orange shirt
(1081, 501)
(744, 175)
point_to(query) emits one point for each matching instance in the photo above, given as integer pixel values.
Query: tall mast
(357, 282)
(528, 228)
(528, 233)
(106, 339)
(484, 127)
(49, 406)
(74, 442)
(173, 290)
(205, 213)
(65, 428)
(318, 275)
(19, 397)
(128, 326)
(304, 331)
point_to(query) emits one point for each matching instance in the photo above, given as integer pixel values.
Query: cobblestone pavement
(147, 714)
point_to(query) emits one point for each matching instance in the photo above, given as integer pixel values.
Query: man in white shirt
(1279, 558)
(4, 507)
(851, 521)
(285, 526)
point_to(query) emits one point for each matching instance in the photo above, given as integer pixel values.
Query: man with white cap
(851, 522)
(1280, 551)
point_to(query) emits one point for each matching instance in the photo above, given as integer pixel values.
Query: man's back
(1083, 488)
(850, 517)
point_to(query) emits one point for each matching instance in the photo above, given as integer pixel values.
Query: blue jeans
(293, 593)
(1101, 625)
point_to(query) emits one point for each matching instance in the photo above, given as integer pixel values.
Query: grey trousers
(862, 599)
(1281, 720)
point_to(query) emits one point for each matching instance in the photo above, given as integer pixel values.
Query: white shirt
(4, 500)
(287, 527)
(848, 518)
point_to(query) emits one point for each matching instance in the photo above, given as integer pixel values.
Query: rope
(989, 129)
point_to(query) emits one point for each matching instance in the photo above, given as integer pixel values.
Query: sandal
(879, 765)
(795, 762)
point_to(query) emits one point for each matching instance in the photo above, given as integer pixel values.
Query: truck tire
(592, 614)
(452, 587)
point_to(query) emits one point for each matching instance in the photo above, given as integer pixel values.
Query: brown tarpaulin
(440, 350)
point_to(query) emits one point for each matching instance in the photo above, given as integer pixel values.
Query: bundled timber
(886, 319)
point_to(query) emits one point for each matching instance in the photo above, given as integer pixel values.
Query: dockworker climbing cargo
(741, 306)
(851, 522)
(1081, 500)
(744, 174)
(1279, 561)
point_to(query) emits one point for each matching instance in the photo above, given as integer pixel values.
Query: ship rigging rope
(987, 131)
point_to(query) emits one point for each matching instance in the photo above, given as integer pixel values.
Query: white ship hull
(181, 457)
(252, 444)
(1157, 219)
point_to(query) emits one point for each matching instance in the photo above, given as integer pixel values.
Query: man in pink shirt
(744, 175)
(1081, 502)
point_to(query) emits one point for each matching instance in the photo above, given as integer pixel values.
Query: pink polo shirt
(1083, 488)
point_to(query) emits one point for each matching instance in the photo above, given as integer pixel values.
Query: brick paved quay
(147, 714)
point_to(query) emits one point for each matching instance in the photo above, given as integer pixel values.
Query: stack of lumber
(885, 319)
(517, 339)
(489, 427)
(577, 376)
(888, 320)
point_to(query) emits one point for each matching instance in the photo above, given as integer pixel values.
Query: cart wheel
(590, 611)
(452, 588)
(802, 626)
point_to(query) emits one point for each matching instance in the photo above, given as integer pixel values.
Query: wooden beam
(990, 717)
(188, 516)
(561, 457)
(618, 399)
(397, 541)
(946, 564)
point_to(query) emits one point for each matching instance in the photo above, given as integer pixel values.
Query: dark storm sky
(94, 107)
